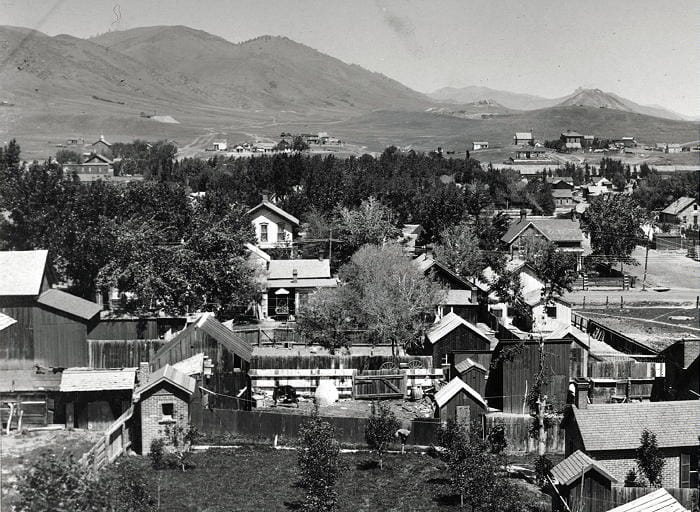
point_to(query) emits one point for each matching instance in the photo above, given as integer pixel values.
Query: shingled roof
(453, 387)
(619, 426)
(70, 304)
(79, 379)
(657, 501)
(555, 230)
(678, 205)
(170, 375)
(306, 269)
(576, 464)
(449, 323)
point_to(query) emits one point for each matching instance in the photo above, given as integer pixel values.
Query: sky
(644, 50)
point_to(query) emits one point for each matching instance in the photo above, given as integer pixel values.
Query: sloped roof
(619, 426)
(561, 192)
(29, 380)
(678, 205)
(457, 298)
(657, 501)
(411, 229)
(571, 468)
(329, 282)
(258, 252)
(167, 374)
(279, 211)
(425, 262)
(74, 379)
(570, 133)
(523, 135)
(453, 387)
(449, 323)
(97, 156)
(21, 272)
(191, 365)
(70, 304)
(555, 230)
(6, 321)
(466, 364)
(306, 269)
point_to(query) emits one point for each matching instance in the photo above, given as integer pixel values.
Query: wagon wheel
(389, 365)
(415, 364)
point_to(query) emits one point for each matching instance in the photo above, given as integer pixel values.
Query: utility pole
(646, 263)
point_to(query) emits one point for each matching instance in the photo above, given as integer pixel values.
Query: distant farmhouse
(95, 167)
(523, 139)
(564, 233)
(476, 146)
(572, 141)
(220, 145)
(529, 154)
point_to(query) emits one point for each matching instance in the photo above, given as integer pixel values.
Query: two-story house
(573, 141)
(566, 234)
(523, 139)
(683, 211)
(273, 226)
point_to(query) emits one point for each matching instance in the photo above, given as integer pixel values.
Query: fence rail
(116, 440)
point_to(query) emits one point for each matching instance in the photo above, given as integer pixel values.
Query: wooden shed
(515, 364)
(582, 483)
(458, 401)
(471, 372)
(228, 354)
(453, 333)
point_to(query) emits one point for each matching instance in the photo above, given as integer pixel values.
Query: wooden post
(646, 262)
(622, 303)
(584, 302)
(607, 301)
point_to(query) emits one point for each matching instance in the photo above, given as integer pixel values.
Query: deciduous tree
(381, 428)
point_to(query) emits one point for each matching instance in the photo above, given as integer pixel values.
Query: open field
(252, 479)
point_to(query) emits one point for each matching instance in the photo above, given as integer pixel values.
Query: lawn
(256, 478)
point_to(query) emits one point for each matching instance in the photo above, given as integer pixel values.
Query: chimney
(143, 373)
(265, 196)
(428, 252)
(581, 399)
(523, 214)
(295, 274)
(320, 254)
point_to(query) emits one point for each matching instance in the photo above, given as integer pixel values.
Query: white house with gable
(273, 226)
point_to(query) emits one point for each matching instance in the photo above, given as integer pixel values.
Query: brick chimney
(143, 373)
(581, 399)
(295, 275)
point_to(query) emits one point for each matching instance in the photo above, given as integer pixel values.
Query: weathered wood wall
(121, 353)
(460, 339)
(517, 429)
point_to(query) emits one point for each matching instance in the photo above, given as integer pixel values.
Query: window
(689, 470)
(445, 360)
(280, 233)
(263, 232)
(167, 411)
(551, 311)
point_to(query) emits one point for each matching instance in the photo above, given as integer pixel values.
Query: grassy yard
(255, 478)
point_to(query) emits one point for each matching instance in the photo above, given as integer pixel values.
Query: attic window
(551, 311)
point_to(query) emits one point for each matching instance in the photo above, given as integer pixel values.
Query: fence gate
(379, 386)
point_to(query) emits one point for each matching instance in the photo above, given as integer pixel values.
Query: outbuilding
(582, 483)
(459, 401)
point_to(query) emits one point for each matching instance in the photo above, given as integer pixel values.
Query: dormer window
(263, 232)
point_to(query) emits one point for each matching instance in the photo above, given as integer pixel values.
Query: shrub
(542, 467)
(380, 430)
(157, 453)
(497, 439)
(631, 479)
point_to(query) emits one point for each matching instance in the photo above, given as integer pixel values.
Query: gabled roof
(453, 387)
(619, 426)
(426, 262)
(97, 156)
(6, 321)
(657, 501)
(306, 269)
(576, 464)
(555, 230)
(70, 304)
(467, 364)
(678, 205)
(78, 379)
(276, 209)
(258, 252)
(411, 229)
(570, 133)
(170, 375)
(449, 323)
(103, 141)
(523, 135)
(330, 282)
(22, 272)
(561, 192)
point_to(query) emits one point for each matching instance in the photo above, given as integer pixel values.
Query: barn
(458, 401)
(453, 333)
(227, 354)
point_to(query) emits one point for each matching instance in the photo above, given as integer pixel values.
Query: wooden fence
(121, 353)
(383, 385)
(517, 431)
(306, 380)
(116, 440)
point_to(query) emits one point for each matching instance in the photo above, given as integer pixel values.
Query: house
(95, 167)
(409, 236)
(524, 153)
(588, 140)
(273, 226)
(626, 141)
(561, 182)
(264, 147)
(563, 197)
(458, 401)
(476, 146)
(471, 372)
(523, 139)
(288, 284)
(453, 333)
(582, 483)
(462, 297)
(659, 500)
(163, 401)
(572, 141)
(228, 356)
(682, 211)
(102, 147)
(566, 234)
(599, 187)
(674, 148)
(220, 145)
(94, 398)
(610, 433)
